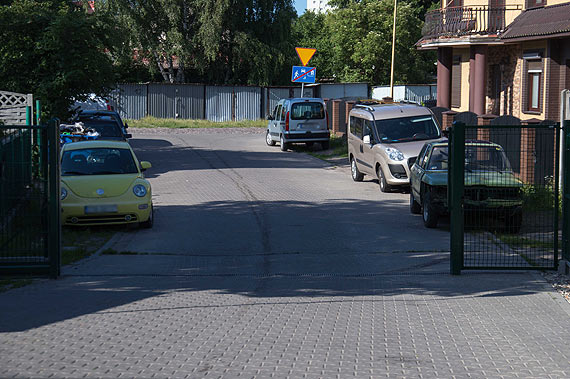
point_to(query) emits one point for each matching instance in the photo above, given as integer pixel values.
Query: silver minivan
(298, 120)
(384, 140)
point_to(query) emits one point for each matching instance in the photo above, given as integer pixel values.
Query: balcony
(461, 21)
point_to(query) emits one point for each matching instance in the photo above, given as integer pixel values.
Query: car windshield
(477, 158)
(105, 127)
(405, 129)
(438, 159)
(86, 117)
(486, 158)
(98, 161)
(307, 111)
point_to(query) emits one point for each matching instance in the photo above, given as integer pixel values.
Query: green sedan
(490, 185)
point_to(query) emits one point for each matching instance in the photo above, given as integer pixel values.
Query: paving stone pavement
(270, 264)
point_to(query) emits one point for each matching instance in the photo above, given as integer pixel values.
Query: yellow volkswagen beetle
(102, 182)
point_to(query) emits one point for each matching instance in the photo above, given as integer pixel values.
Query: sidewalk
(191, 323)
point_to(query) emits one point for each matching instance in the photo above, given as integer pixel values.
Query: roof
(96, 144)
(391, 110)
(540, 22)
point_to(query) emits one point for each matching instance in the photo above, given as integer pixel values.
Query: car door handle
(361, 149)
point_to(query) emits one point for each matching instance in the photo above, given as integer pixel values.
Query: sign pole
(302, 89)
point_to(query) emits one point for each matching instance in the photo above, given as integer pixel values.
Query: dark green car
(490, 185)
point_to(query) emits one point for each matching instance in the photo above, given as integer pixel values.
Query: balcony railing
(459, 21)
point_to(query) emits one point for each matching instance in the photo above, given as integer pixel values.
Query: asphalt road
(267, 263)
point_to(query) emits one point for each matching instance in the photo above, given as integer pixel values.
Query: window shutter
(456, 82)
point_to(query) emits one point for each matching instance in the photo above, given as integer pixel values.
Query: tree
(361, 40)
(311, 30)
(56, 51)
(219, 41)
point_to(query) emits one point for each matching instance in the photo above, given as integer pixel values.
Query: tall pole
(302, 89)
(393, 50)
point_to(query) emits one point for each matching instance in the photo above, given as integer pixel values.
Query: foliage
(55, 50)
(361, 40)
(311, 30)
(153, 122)
(538, 197)
(229, 41)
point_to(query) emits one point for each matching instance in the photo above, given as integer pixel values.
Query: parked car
(100, 117)
(298, 120)
(490, 185)
(102, 182)
(384, 140)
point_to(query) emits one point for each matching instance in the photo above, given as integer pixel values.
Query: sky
(300, 6)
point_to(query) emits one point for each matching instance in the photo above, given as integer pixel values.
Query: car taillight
(287, 122)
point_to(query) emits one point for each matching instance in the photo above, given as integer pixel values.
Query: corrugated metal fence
(214, 103)
(421, 93)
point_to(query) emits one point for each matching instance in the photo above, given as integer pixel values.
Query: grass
(153, 122)
(115, 252)
(525, 242)
(79, 243)
(338, 148)
(9, 283)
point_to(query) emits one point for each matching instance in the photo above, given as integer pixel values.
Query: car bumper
(306, 136)
(108, 211)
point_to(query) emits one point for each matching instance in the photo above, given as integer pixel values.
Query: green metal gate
(504, 197)
(30, 231)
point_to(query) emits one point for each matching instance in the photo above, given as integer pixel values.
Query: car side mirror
(366, 139)
(270, 117)
(128, 135)
(145, 165)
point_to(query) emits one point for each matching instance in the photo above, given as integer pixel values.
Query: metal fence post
(455, 180)
(54, 225)
(566, 191)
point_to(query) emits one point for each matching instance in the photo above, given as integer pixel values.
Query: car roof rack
(369, 104)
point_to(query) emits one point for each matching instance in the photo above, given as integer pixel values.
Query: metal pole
(456, 178)
(28, 115)
(54, 210)
(564, 107)
(302, 89)
(393, 50)
(38, 112)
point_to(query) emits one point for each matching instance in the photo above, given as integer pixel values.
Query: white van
(384, 140)
(298, 120)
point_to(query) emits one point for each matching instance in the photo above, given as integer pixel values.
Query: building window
(534, 91)
(535, 3)
(456, 82)
(534, 85)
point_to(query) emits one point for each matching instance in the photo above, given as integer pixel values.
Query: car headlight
(63, 193)
(394, 154)
(139, 190)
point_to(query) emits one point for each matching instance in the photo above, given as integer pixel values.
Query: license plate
(90, 209)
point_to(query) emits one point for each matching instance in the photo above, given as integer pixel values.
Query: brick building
(501, 59)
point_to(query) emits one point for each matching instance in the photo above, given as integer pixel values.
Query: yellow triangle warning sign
(305, 54)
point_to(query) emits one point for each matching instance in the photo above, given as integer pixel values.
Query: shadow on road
(313, 253)
(166, 157)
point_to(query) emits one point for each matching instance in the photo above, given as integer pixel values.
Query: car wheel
(325, 145)
(429, 213)
(283, 144)
(384, 186)
(415, 208)
(357, 176)
(150, 222)
(268, 139)
(513, 221)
